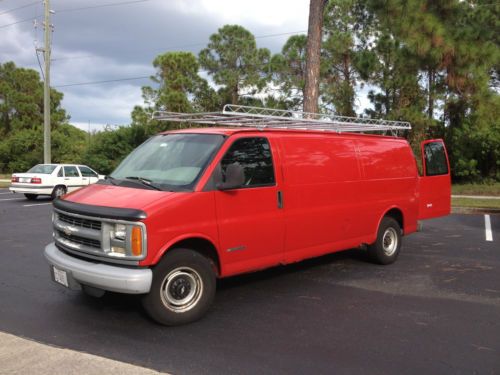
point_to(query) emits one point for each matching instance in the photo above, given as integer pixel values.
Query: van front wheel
(386, 248)
(183, 288)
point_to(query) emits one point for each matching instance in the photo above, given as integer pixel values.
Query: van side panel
(389, 181)
(322, 183)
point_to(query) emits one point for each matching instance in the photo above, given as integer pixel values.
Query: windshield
(43, 169)
(169, 161)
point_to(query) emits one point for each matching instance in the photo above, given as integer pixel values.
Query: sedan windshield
(169, 161)
(43, 168)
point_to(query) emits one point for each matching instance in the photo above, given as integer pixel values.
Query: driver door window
(254, 155)
(88, 175)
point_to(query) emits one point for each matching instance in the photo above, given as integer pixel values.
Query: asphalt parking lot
(435, 311)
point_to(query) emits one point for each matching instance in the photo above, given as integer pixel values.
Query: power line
(15, 23)
(40, 65)
(73, 10)
(105, 81)
(188, 45)
(101, 6)
(21, 7)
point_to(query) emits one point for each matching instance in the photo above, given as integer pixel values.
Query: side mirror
(235, 177)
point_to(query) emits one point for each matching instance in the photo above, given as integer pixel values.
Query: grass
(476, 189)
(5, 177)
(475, 203)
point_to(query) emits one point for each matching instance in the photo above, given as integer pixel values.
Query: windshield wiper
(144, 181)
(112, 180)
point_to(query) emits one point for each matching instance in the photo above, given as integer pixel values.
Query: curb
(476, 196)
(474, 210)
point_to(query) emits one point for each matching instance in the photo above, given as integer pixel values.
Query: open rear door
(435, 184)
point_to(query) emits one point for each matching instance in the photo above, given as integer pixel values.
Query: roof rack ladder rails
(267, 118)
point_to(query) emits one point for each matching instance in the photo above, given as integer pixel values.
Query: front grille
(84, 223)
(80, 240)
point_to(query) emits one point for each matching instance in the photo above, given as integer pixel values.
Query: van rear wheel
(183, 288)
(386, 248)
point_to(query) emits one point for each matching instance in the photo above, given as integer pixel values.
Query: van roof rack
(266, 118)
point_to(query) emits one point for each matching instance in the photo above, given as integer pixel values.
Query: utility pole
(46, 87)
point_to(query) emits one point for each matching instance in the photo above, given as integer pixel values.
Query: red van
(193, 205)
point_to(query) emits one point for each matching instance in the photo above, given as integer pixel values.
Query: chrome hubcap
(181, 289)
(390, 241)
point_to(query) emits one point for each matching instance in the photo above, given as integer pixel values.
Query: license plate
(21, 179)
(60, 277)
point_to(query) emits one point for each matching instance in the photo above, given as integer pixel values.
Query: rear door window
(254, 155)
(71, 171)
(435, 159)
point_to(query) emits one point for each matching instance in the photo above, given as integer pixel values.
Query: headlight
(126, 240)
(120, 232)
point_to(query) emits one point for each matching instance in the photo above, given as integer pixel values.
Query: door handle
(280, 199)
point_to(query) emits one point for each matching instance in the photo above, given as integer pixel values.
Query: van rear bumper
(98, 275)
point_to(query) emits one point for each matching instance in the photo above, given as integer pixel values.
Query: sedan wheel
(58, 191)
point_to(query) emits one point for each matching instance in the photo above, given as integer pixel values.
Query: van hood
(122, 197)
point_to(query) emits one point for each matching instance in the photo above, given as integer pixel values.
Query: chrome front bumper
(99, 275)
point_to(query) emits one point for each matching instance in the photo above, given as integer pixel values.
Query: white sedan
(53, 179)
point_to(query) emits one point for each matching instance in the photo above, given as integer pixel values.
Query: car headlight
(126, 240)
(120, 232)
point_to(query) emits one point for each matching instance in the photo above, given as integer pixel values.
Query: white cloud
(260, 12)
(16, 44)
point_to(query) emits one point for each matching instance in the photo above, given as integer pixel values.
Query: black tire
(58, 191)
(183, 288)
(31, 197)
(386, 248)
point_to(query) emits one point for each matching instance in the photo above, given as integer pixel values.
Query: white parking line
(487, 224)
(7, 193)
(36, 204)
(13, 199)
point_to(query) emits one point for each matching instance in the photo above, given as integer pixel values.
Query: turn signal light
(36, 180)
(136, 241)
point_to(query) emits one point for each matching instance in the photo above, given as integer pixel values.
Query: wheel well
(202, 246)
(397, 215)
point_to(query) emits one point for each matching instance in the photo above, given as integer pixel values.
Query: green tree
(179, 89)
(288, 71)
(21, 122)
(454, 45)
(234, 62)
(109, 147)
(344, 54)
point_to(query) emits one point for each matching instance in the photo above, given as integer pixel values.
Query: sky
(121, 40)
(96, 41)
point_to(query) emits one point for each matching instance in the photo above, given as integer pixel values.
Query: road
(435, 311)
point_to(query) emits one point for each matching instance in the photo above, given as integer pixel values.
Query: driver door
(250, 217)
